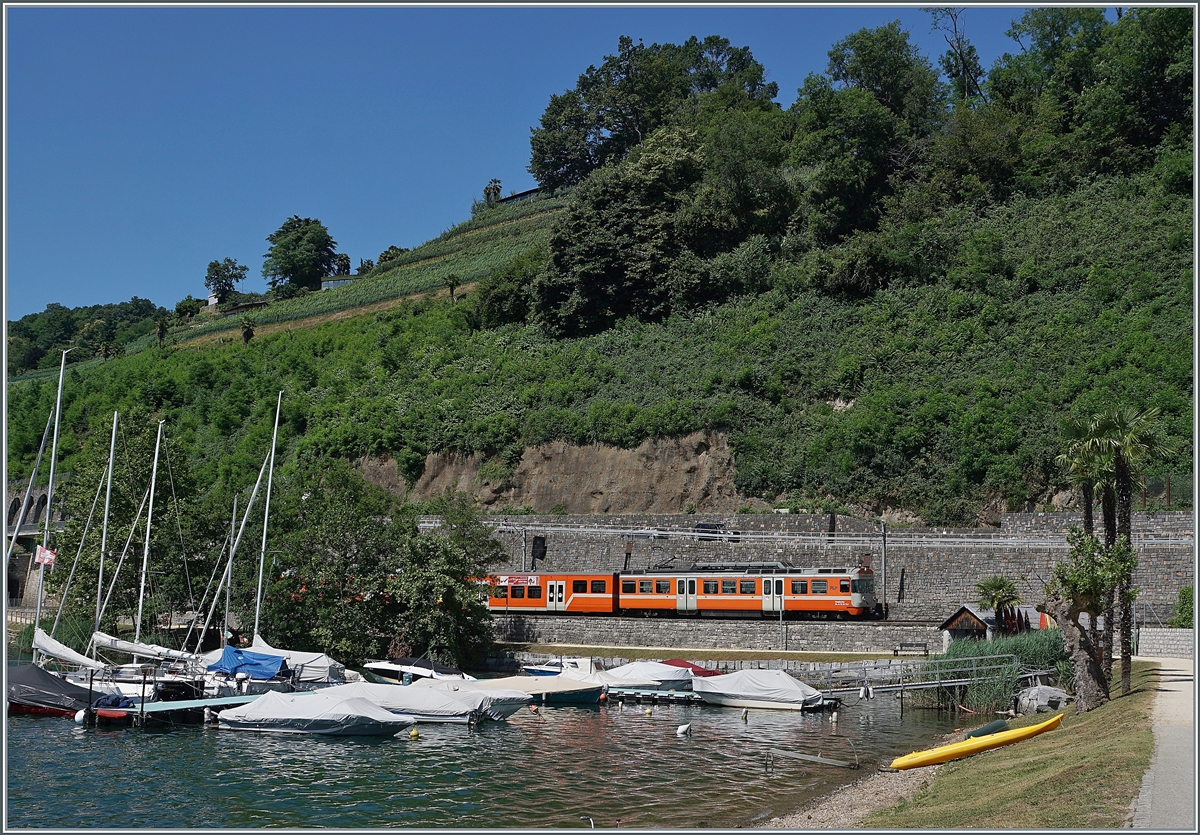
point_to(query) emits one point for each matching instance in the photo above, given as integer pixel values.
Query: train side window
(662, 586)
(628, 586)
(747, 586)
(535, 592)
(691, 587)
(844, 586)
(578, 586)
(779, 586)
(598, 586)
(820, 586)
(799, 586)
(645, 586)
(500, 591)
(729, 587)
(710, 586)
(679, 586)
(517, 592)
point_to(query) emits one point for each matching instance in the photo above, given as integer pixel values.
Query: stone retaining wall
(676, 635)
(1160, 642)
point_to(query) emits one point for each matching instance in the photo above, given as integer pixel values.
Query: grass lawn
(1084, 775)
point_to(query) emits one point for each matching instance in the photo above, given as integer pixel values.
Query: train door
(772, 594)
(685, 594)
(556, 595)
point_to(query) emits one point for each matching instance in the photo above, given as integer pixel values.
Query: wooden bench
(913, 648)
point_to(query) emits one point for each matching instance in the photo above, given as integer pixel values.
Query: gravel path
(847, 806)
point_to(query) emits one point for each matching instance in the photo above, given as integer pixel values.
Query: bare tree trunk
(1091, 687)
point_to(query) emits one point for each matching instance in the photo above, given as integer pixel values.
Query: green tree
(1184, 609)
(884, 63)
(365, 265)
(961, 64)
(247, 324)
(390, 254)
(1000, 595)
(161, 327)
(301, 254)
(223, 277)
(188, 307)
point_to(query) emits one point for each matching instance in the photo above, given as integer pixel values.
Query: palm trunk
(1124, 481)
(1089, 496)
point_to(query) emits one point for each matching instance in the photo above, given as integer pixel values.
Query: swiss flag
(44, 556)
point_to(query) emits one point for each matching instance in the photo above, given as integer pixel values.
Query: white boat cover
(607, 679)
(46, 645)
(664, 674)
(317, 712)
(550, 688)
(493, 704)
(419, 703)
(102, 641)
(308, 666)
(759, 686)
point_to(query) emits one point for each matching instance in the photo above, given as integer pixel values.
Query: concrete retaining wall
(1159, 642)
(676, 635)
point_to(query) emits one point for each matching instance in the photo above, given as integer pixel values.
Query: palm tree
(160, 330)
(999, 594)
(1088, 468)
(1132, 438)
(247, 324)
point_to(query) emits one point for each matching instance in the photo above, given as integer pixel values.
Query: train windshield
(863, 585)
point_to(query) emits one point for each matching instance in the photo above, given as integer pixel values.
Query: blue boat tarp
(255, 664)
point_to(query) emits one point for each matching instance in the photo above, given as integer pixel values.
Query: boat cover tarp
(102, 641)
(759, 685)
(422, 704)
(664, 674)
(552, 688)
(697, 670)
(46, 645)
(259, 666)
(317, 712)
(493, 704)
(32, 686)
(308, 666)
(609, 680)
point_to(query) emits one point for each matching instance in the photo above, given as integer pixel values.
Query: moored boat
(770, 689)
(33, 690)
(319, 712)
(418, 703)
(973, 745)
(416, 668)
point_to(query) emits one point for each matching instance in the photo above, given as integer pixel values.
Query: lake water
(535, 770)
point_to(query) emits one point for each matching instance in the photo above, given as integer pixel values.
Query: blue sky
(143, 143)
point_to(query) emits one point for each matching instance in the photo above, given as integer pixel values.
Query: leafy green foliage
(301, 254)
(1184, 609)
(37, 340)
(223, 277)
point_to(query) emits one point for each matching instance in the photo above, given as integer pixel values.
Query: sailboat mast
(137, 627)
(229, 572)
(112, 448)
(37, 618)
(262, 559)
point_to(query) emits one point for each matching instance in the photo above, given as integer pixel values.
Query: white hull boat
(420, 704)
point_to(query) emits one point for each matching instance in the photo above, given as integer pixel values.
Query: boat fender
(862, 692)
(870, 692)
(79, 716)
(413, 734)
(833, 717)
(533, 708)
(647, 711)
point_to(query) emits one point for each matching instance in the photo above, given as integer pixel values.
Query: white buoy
(79, 716)
(647, 711)
(745, 713)
(833, 716)
(684, 730)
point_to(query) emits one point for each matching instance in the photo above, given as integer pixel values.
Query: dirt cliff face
(660, 476)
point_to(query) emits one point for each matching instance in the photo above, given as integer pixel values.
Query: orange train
(718, 590)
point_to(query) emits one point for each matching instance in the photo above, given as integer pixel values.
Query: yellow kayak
(966, 748)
